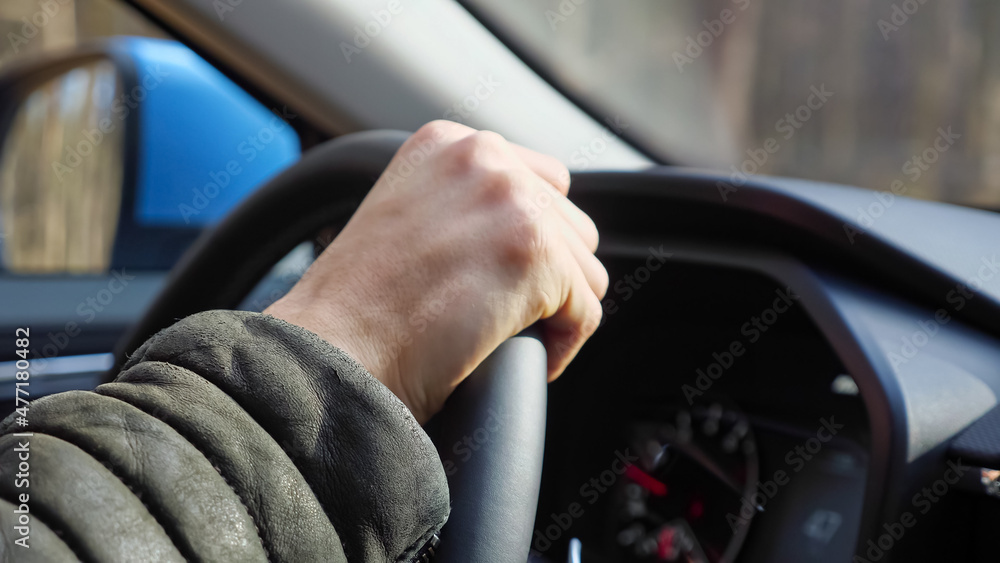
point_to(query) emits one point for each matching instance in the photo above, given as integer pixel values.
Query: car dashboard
(707, 418)
(745, 403)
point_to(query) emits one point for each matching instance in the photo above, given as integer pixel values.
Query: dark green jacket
(229, 436)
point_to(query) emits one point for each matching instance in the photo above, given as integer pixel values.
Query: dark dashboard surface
(690, 338)
(794, 350)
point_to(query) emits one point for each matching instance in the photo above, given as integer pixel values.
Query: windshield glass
(861, 92)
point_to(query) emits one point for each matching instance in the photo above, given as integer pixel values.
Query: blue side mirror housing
(185, 142)
(203, 143)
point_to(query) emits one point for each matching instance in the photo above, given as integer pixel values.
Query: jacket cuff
(371, 466)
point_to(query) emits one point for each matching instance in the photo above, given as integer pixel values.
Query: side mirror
(118, 154)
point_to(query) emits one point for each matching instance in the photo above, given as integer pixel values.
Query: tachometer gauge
(688, 497)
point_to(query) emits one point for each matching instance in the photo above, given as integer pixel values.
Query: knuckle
(422, 143)
(524, 238)
(489, 140)
(505, 187)
(434, 130)
(480, 149)
(512, 194)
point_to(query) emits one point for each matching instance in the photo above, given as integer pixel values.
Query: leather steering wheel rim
(491, 432)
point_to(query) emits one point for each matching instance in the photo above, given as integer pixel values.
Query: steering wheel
(500, 408)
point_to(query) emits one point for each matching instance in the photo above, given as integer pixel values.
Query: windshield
(880, 94)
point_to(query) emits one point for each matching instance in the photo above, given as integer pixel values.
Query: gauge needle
(696, 550)
(646, 481)
(706, 462)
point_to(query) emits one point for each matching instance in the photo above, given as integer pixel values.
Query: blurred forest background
(937, 65)
(61, 222)
(893, 88)
(74, 22)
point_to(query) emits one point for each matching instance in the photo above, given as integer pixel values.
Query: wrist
(360, 339)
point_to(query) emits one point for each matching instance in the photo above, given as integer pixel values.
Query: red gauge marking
(646, 481)
(665, 543)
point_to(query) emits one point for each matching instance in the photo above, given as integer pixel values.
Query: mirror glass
(61, 175)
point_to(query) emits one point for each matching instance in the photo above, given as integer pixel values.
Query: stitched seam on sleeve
(68, 539)
(137, 494)
(264, 544)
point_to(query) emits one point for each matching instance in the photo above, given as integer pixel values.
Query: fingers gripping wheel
(498, 414)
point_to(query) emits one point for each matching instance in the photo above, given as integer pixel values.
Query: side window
(119, 145)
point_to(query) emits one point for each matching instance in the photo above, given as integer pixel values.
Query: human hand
(463, 242)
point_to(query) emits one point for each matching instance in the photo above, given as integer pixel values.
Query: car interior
(799, 359)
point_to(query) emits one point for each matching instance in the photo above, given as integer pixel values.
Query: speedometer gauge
(687, 498)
